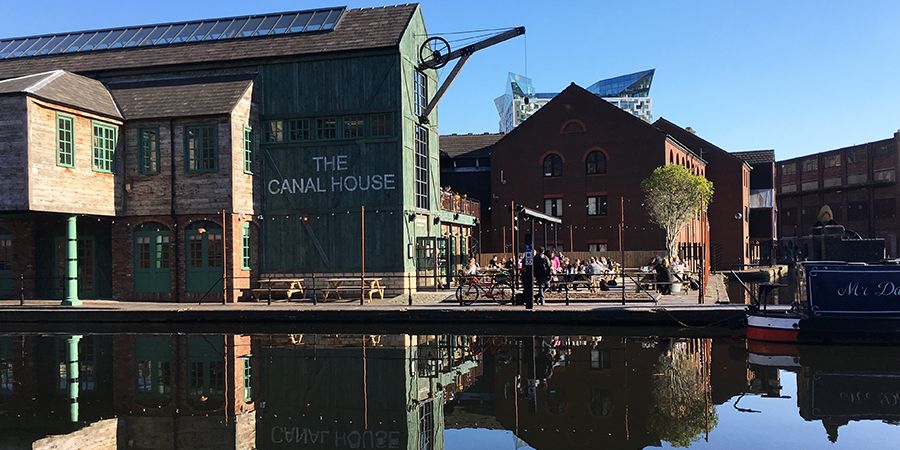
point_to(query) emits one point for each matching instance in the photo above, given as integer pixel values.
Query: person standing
(542, 273)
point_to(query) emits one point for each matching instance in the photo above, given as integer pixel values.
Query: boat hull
(773, 328)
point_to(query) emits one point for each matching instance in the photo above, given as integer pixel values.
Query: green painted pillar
(72, 375)
(71, 263)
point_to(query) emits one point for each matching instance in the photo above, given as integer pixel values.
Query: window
(65, 141)
(595, 163)
(596, 205)
(104, 144)
(382, 124)
(884, 175)
(857, 211)
(7, 377)
(885, 208)
(248, 379)
(788, 169)
(200, 148)
(245, 246)
(856, 156)
(833, 160)
(5, 251)
(884, 151)
(601, 402)
(552, 165)
(810, 165)
(421, 167)
(600, 359)
(298, 130)
(354, 127)
(553, 207)
(421, 93)
(274, 131)
(789, 187)
(426, 425)
(326, 128)
(248, 150)
(573, 126)
(598, 247)
(148, 146)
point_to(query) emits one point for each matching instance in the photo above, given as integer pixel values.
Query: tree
(673, 196)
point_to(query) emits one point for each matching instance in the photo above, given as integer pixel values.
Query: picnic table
(280, 285)
(370, 286)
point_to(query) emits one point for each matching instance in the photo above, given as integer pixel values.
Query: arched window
(153, 361)
(572, 126)
(553, 165)
(595, 163)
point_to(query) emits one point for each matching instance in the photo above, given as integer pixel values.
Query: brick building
(184, 160)
(859, 183)
(575, 158)
(729, 211)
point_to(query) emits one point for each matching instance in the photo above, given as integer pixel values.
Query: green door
(6, 275)
(204, 271)
(152, 259)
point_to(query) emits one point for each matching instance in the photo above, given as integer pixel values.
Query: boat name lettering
(882, 289)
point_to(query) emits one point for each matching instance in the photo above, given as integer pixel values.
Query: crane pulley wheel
(434, 52)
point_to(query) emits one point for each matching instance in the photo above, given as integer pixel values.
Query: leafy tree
(673, 196)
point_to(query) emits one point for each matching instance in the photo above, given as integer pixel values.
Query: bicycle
(471, 286)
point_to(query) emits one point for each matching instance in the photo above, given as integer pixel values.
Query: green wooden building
(236, 148)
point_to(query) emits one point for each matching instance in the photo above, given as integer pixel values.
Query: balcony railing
(454, 202)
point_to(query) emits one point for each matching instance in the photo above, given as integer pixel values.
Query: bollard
(315, 302)
(409, 287)
(22, 289)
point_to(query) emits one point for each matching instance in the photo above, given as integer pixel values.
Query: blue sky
(799, 76)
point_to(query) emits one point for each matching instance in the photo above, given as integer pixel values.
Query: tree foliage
(673, 196)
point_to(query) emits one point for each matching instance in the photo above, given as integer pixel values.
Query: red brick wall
(23, 263)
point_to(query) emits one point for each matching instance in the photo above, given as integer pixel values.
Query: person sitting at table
(664, 277)
(493, 263)
(596, 267)
(472, 267)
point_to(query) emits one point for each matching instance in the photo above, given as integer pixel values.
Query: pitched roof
(691, 140)
(472, 145)
(358, 29)
(756, 156)
(65, 88)
(179, 98)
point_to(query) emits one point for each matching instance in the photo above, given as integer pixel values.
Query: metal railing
(454, 202)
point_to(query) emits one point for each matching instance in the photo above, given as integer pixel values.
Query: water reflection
(431, 391)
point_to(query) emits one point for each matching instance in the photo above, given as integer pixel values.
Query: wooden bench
(279, 287)
(369, 287)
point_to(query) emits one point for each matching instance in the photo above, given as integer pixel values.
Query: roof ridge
(28, 76)
(52, 75)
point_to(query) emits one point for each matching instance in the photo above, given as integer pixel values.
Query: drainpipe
(71, 298)
(177, 232)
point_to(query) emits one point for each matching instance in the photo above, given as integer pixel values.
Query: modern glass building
(630, 92)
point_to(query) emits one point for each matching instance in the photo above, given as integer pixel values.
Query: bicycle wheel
(503, 292)
(467, 294)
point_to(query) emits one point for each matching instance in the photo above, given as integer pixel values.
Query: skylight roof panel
(201, 32)
(186, 32)
(250, 27)
(233, 29)
(300, 22)
(266, 26)
(315, 24)
(172, 33)
(284, 23)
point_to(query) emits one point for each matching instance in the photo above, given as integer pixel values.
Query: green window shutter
(65, 140)
(245, 246)
(248, 150)
(149, 150)
(104, 144)
(200, 148)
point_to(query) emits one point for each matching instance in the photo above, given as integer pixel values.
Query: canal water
(333, 391)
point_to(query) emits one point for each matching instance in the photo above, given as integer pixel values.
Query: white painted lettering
(273, 187)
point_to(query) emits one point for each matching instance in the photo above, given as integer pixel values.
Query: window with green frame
(148, 144)
(245, 246)
(274, 131)
(326, 128)
(104, 143)
(200, 148)
(298, 130)
(248, 378)
(65, 140)
(248, 150)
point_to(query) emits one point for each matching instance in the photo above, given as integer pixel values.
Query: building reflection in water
(406, 391)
